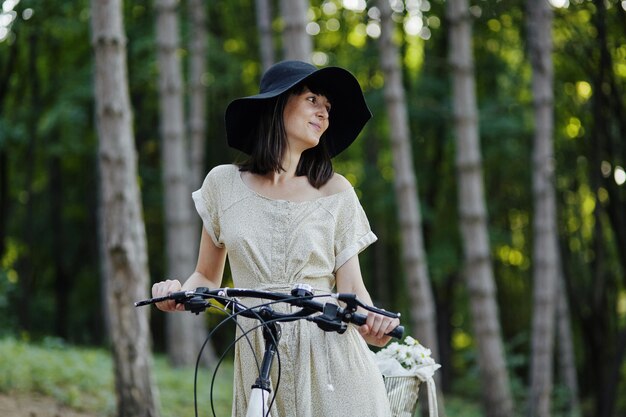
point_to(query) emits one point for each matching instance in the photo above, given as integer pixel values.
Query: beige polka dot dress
(273, 244)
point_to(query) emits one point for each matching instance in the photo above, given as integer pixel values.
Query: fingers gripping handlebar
(332, 318)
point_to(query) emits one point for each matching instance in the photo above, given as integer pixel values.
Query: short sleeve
(353, 233)
(206, 200)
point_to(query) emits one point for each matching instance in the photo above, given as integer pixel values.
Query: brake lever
(352, 303)
(330, 319)
(196, 304)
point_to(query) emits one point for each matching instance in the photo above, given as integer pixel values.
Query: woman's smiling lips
(316, 126)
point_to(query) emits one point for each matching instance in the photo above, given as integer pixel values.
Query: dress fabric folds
(274, 244)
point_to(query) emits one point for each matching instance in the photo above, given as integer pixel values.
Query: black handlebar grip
(360, 319)
(398, 332)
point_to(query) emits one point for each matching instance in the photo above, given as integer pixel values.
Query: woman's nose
(322, 112)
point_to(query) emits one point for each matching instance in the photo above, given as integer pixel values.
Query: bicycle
(328, 316)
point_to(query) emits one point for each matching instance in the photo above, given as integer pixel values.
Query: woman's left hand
(375, 329)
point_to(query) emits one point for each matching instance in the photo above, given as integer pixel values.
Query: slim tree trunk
(4, 198)
(198, 131)
(414, 258)
(62, 282)
(180, 231)
(606, 134)
(423, 313)
(297, 44)
(478, 270)
(5, 76)
(264, 25)
(545, 252)
(197, 90)
(27, 267)
(567, 360)
(381, 265)
(123, 226)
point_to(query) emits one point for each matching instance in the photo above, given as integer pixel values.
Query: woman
(285, 217)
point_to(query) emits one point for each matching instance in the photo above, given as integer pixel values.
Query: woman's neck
(290, 165)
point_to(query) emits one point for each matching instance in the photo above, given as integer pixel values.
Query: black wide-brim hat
(347, 117)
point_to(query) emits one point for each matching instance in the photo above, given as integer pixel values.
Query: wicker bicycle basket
(402, 392)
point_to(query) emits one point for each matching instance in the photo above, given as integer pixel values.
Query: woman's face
(306, 119)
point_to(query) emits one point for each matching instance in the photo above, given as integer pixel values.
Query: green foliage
(79, 378)
(50, 252)
(7, 289)
(82, 378)
(458, 406)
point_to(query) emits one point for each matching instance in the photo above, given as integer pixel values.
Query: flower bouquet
(404, 367)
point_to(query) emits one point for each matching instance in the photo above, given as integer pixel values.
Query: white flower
(410, 354)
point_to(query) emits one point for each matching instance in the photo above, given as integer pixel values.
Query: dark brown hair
(270, 142)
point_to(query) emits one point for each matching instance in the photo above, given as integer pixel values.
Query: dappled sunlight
(559, 4)
(414, 55)
(603, 195)
(410, 14)
(413, 25)
(356, 5)
(621, 305)
(358, 36)
(333, 24)
(580, 218)
(9, 260)
(461, 339)
(619, 175)
(329, 8)
(511, 256)
(313, 28)
(583, 90)
(574, 128)
(373, 30)
(319, 58)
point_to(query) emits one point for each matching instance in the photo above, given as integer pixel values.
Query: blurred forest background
(493, 172)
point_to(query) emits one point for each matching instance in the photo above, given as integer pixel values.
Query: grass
(82, 378)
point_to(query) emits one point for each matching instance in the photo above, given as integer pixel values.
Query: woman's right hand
(163, 288)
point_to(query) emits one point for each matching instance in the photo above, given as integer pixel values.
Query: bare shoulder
(336, 184)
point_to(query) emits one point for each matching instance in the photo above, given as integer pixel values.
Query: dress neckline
(245, 186)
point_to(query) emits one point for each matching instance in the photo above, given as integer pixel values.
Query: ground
(31, 405)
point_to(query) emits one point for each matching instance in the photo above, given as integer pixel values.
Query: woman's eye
(313, 99)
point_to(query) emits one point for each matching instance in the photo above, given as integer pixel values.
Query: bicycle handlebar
(332, 317)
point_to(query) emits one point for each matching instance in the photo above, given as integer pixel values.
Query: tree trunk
(297, 44)
(607, 136)
(123, 226)
(62, 282)
(4, 160)
(545, 252)
(478, 270)
(29, 273)
(423, 314)
(567, 359)
(180, 231)
(381, 269)
(198, 131)
(197, 90)
(4, 198)
(410, 218)
(264, 25)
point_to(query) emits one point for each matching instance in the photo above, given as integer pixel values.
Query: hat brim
(349, 112)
